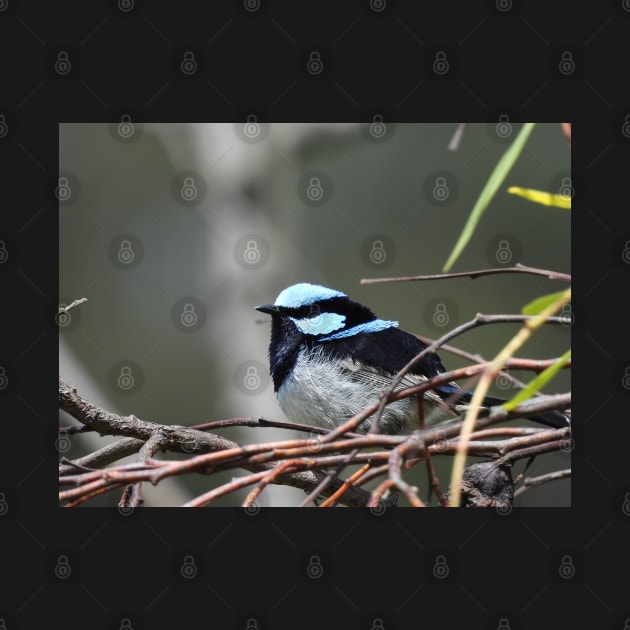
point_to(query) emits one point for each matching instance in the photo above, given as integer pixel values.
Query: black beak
(272, 309)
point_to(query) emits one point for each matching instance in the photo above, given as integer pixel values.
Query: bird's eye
(314, 316)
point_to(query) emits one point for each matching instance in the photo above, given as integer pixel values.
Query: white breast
(325, 393)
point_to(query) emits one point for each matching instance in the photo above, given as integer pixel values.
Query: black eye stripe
(354, 312)
(325, 306)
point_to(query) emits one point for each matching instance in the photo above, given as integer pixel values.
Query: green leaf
(539, 382)
(495, 180)
(541, 303)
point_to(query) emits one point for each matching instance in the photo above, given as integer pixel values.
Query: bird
(330, 357)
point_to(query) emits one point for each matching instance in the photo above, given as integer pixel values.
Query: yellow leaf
(539, 196)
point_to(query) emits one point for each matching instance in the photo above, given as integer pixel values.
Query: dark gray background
(503, 58)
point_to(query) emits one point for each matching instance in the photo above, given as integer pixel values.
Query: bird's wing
(379, 380)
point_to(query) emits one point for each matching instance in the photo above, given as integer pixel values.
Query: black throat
(287, 340)
(284, 348)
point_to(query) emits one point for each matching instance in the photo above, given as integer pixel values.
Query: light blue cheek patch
(320, 324)
(369, 327)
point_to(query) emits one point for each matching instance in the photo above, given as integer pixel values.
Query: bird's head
(321, 313)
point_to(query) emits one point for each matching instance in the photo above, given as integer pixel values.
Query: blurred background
(175, 232)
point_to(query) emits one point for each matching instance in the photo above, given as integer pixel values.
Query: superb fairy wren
(331, 357)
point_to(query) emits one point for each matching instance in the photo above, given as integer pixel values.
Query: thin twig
(518, 268)
(353, 479)
(530, 482)
(65, 309)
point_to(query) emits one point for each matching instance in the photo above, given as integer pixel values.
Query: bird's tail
(554, 419)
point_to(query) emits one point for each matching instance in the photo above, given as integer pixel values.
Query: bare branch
(65, 309)
(518, 268)
(530, 482)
